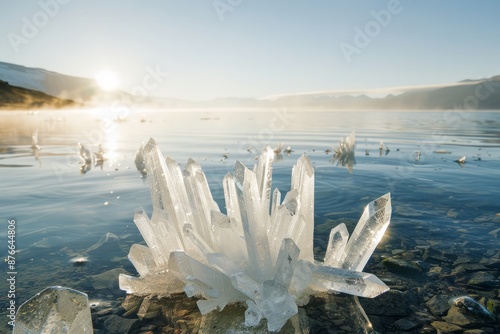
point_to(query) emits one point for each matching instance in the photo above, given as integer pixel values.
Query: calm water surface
(61, 212)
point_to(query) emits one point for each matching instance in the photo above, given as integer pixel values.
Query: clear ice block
(55, 310)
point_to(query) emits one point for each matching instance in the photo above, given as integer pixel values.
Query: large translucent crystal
(55, 310)
(260, 252)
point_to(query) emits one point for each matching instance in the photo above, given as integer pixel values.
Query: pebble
(402, 266)
(446, 328)
(114, 324)
(484, 280)
(405, 324)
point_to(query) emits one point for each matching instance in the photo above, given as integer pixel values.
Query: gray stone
(470, 267)
(300, 322)
(465, 318)
(432, 255)
(483, 279)
(446, 328)
(131, 302)
(464, 260)
(491, 263)
(434, 272)
(114, 324)
(473, 308)
(493, 306)
(405, 324)
(438, 305)
(149, 308)
(391, 303)
(428, 330)
(400, 265)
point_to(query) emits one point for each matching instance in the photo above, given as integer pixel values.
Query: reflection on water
(90, 159)
(63, 204)
(381, 149)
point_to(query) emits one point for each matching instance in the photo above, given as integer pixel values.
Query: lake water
(60, 211)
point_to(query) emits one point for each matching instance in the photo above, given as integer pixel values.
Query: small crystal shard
(285, 265)
(252, 314)
(347, 281)
(259, 252)
(336, 245)
(142, 259)
(367, 234)
(55, 310)
(276, 304)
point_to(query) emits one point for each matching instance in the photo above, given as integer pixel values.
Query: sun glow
(107, 80)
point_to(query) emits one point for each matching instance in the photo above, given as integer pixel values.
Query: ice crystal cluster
(260, 252)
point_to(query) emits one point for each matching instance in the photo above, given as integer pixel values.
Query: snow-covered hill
(52, 83)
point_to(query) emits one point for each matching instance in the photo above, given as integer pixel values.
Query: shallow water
(60, 212)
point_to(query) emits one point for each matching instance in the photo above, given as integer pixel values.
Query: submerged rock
(446, 328)
(400, 265)
(114, 324)
(467, 312)
(406, 324)
(392, 303)
(484, 279)
(438, 305)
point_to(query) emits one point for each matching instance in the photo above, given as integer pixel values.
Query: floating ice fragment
(34, 139)
(99, 155)
(344, 152)
(278, 148)
(461, 161)
(55, 310)
(260, 252)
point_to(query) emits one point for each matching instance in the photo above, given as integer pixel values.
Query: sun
(107, 80)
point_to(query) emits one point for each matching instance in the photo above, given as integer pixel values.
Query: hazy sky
(256, 48)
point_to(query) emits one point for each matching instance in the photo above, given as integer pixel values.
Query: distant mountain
(483, 94)
(12, 97)
(63, 86)
(48, 82)
(479, 94)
